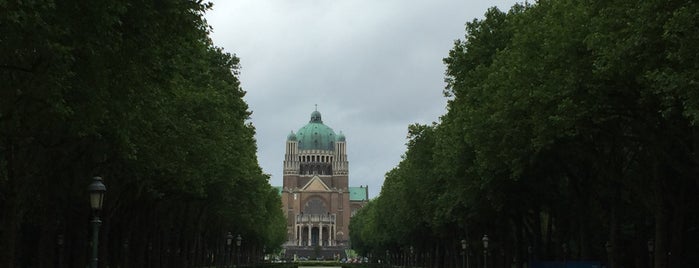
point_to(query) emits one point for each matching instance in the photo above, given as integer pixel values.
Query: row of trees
(135, 92)
(571, 134)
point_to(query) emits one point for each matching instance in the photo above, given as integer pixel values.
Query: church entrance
(315, 230)
(318, 236)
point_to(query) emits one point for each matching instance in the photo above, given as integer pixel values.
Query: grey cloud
(373, 67)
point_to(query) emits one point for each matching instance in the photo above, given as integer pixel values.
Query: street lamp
(59, 242)
(388, 257)
(651, 248)
(608, 247)
(485, 250)
(238, 241)
(229, 242)
(464, 246)
(96, 190)
(126, 252)
(412, 251)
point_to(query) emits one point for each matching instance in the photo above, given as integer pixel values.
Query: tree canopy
(134, 92)
(570, 134)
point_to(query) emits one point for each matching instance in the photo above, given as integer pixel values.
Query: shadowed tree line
(135, 92)
(571, 134)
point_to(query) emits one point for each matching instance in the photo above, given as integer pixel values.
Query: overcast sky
(372, 66)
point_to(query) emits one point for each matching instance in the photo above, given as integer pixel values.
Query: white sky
(372, 66)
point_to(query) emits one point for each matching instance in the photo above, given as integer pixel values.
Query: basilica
(316, 197)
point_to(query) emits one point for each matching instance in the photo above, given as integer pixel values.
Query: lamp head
(96, 190)
(229, 239)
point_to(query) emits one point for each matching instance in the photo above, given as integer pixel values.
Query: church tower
(316, 197)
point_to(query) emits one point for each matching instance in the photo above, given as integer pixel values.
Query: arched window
(315, 206)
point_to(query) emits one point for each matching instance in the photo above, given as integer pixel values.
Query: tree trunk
(660, 260)
(678, 218)
(8, 237)
(613, 236)
(661, 220)
(10, 214)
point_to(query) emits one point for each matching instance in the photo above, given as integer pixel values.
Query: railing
(313, 218)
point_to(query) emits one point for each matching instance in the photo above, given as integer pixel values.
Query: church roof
(359, 193)
(315, 135)
(316, 184)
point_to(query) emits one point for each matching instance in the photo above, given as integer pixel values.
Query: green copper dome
(315, 135)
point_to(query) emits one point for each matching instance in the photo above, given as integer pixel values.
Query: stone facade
(316, 197)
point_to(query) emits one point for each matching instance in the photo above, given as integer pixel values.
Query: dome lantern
(315, 135)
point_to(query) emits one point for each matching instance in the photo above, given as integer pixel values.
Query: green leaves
(564, 117)
(135, 92)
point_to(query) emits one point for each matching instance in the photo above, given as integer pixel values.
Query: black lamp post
(388, 257)
(126, 252)
(464, 245)
(238, 241)
(651, 248)
(96, 190)
(59, 242)
(485, 250)
(410, 261)
(229, 242)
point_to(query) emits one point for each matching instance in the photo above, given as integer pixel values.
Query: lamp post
(96, 190)
(388, 258)
(485, 250)
(229, 242)
(410, 261)
(59, 242)
(464, 245)
(126, 252)
(238, 241)
(651, 248)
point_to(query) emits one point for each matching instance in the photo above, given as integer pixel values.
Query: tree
(137, 93)
(564, 118)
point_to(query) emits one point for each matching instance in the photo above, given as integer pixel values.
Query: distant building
(316, 197)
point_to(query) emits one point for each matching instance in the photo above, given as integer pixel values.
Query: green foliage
(135, 92)
(569, 124)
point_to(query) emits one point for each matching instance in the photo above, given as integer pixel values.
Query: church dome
(315, 135)
(291, 136)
